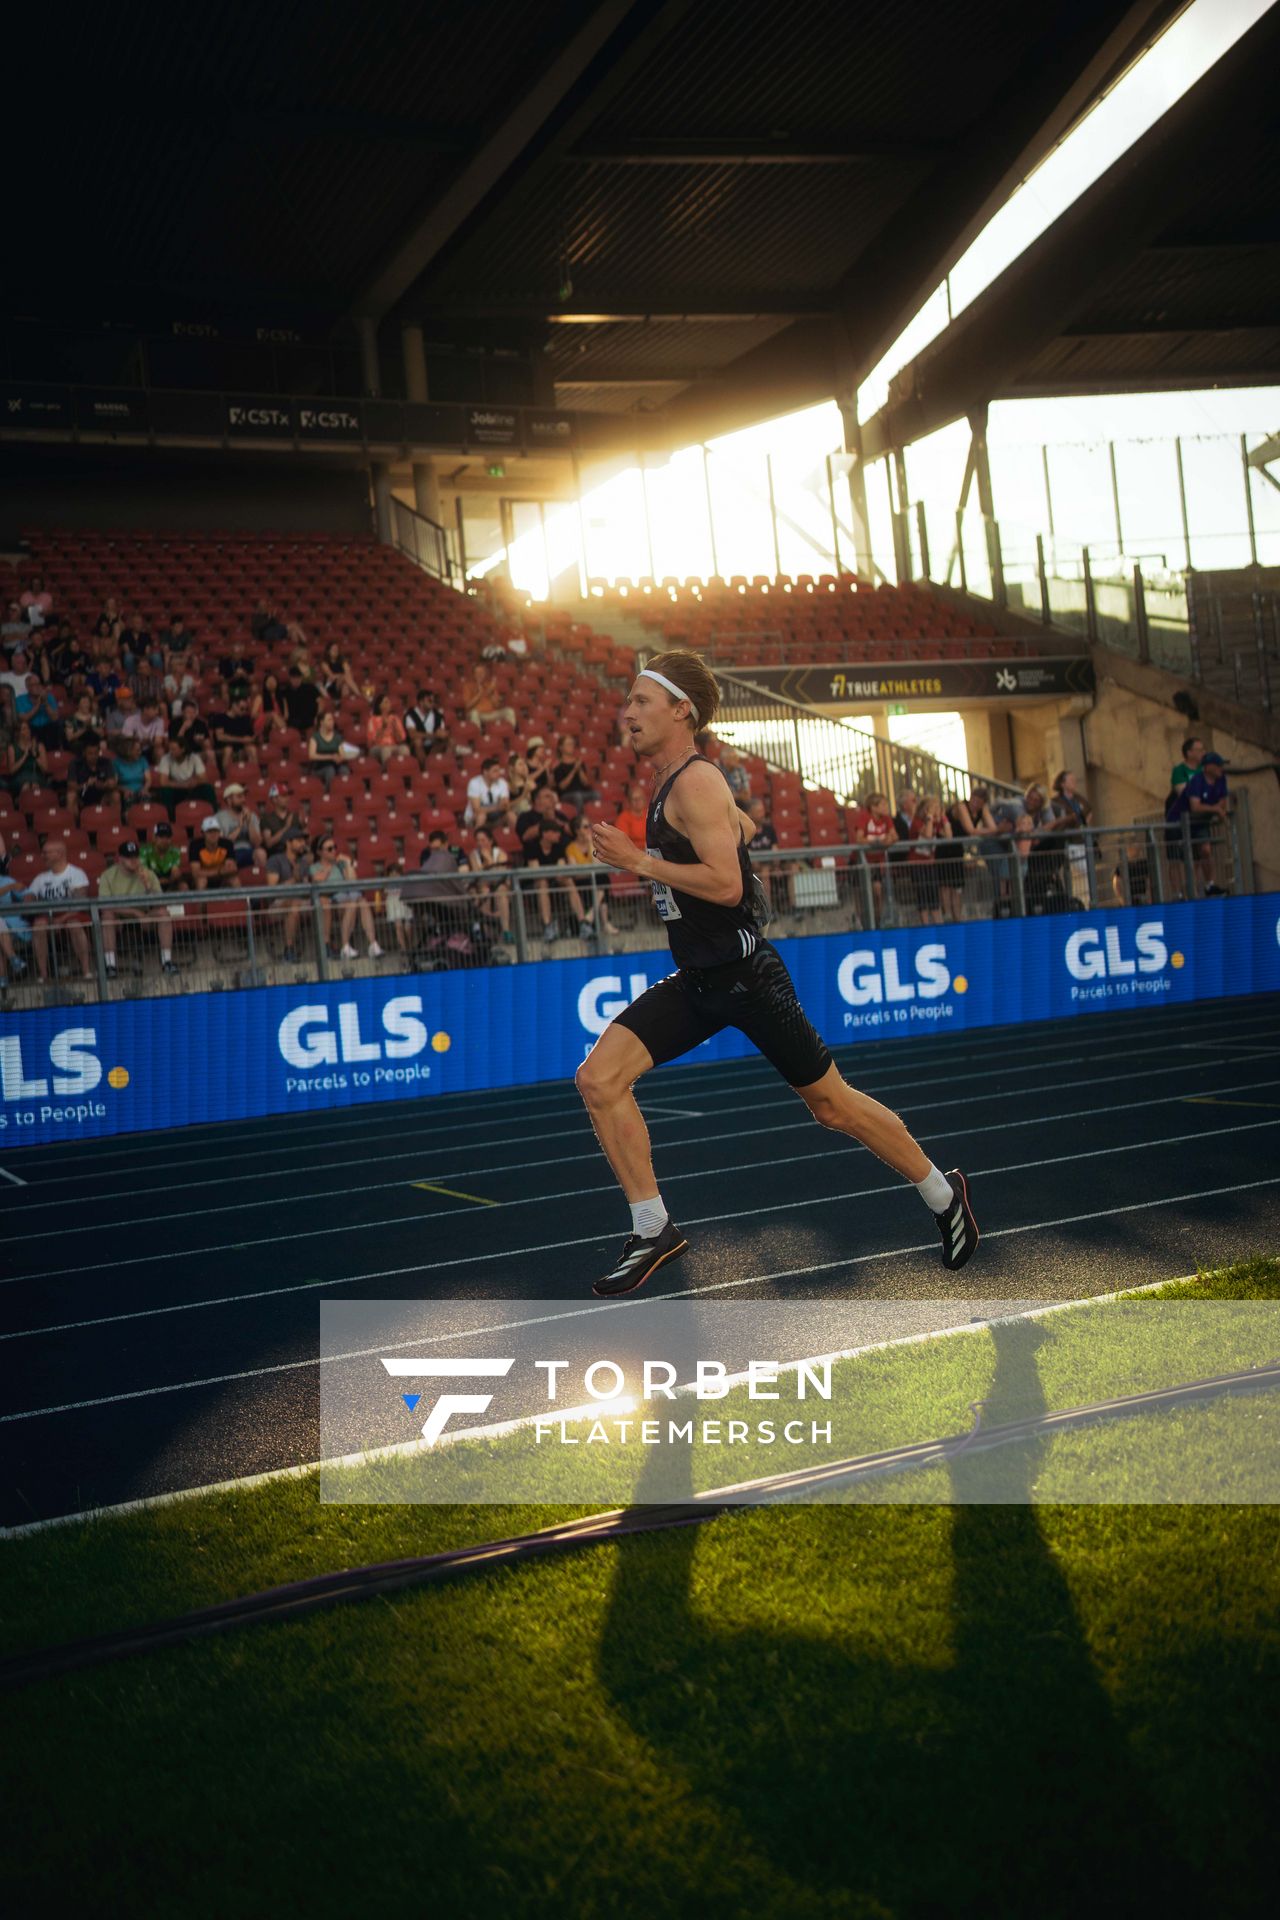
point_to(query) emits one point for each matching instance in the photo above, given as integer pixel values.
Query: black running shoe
(957, 1225)
(640, 1258)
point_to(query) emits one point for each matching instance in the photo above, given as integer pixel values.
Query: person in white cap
(728, 975)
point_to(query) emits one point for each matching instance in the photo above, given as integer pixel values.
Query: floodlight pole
(711, 512)
(1248, 500)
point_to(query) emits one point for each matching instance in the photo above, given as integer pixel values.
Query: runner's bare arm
(706, 815)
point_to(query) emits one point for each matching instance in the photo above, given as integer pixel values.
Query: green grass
(892, 1710)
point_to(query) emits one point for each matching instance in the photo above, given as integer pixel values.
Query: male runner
(728, 975)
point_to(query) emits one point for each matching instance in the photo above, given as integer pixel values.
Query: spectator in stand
(398, 910)
(14, 677)
(424, 726)
(1209, 802)
(1046, 876)
(581, 853)
(148, 725)
(135, 643)
(132, 771)
(128, 879)
(181, 774)
(15, 928)
(212, 856)
(735, 772)
(68, 661)
(267, 709)
(493, 893)
(929, 830)
(1177, 807)
(290, 866)
(266, 624)
(634, 818)
(385, 732)
(762, 839)
(234, 729)
(93, 777)
(281, 819)
(24, 763)
(301, 701)
(334, 675)
(540, 764)
(241, 826)
(163, 857)
(904, 819)
(569, 775)
(175, 635)
(41, 706)
(83, 723)
(14, 628)
(325, 750)
(116, 710)
(482, 698)
(335, 872)
(519, 784)
(235, 670)
(545, 843)
(37, 602)
(59, 881)
(488, 796)
(193, 733)
(873, 829)
(1070, 810)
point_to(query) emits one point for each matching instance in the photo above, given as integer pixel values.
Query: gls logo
(76, 1070)
(306, 1038)
(448, 1403)
(1091, 955)
(603, 997)
(865, 978)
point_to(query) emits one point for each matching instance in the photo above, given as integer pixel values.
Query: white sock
(109, 962)
(935, 1190)
(649, 1217)
(166, 953)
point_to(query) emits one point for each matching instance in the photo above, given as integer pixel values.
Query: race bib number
(663, 898)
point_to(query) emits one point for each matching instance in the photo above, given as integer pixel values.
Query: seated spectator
(135, 643)
(519, 783)
(41, 706)
(127, 879)
(301, 701)
(68, 661)
(233, 729)
(179, 684)
(181, 774)
(326, 750)
(634, 818)
(493, 895)
(488, 796)
(762, 839)
(399, 912)
(424, 725)
(132, 772)
(14, 677)
(37, 602)
(929, 830)
(540, 764)
(14, 627)
(545, 843)
(175, 635)
(290, 866)
(212, 856)
(735, 772)
(385, 733)
(336, 872)
(242, 827)
(482, 698)
(569, 775)
(267, 709)
(83, 722)
(1131, 876)
(193, 733)
(163, 857)
(581, 853)
(281, 818)
(59, 881)
(335, 676)
(266, 624)
(93, 777)
(24, 763)
(15, 928)
(148, 725)
(235, 670)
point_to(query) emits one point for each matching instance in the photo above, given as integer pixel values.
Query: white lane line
(582, 1132)
(943, 1051)
(593, 1239)
(246, 1483)
(674, 1113)
(719, 1286)
(12, 1178)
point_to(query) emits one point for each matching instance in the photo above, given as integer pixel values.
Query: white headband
(670, 686)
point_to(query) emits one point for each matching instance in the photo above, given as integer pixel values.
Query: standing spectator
(163, 858)
(385, 733)
(241, 826)
(325, 749)
(873, 829)
(24, 763)
(336, 872)
(15, 928)
(762, 839)
(928, 830)
(735, 772)
(1070, 810)
(59, 881)
(545, 844)
(1177, 808)
(424, 726)
(128, 879)
(482, 698)
(488, 796)
(290, 866)
(301, 701)
(634, 818)
(569, 775)
(212, 856)
(1209, 802)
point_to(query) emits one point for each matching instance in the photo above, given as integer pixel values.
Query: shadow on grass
(987, 1775)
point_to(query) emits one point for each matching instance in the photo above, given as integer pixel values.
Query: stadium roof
(705, 210)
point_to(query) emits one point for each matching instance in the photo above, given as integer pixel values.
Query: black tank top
(701, 933)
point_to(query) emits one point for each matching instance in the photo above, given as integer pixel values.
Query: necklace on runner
(657, 778)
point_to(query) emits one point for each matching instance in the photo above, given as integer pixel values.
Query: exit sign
(897, 708)
(496, 470)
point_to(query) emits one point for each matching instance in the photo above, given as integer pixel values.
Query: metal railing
(244, 935)
(423, 540)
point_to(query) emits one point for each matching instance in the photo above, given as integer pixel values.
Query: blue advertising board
(73, 1073)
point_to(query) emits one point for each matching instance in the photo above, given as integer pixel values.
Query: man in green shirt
(1176, 806)
(128, 880)
(162, 858)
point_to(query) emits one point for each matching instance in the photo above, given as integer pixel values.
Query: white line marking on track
(718, 1286)
(593, 1239)
(12, 1178)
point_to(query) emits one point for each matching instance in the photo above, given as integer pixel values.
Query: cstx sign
(259, 416)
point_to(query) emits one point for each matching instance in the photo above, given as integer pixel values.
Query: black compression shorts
(756, 996)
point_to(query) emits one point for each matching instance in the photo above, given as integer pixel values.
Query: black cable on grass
(301, 1597)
